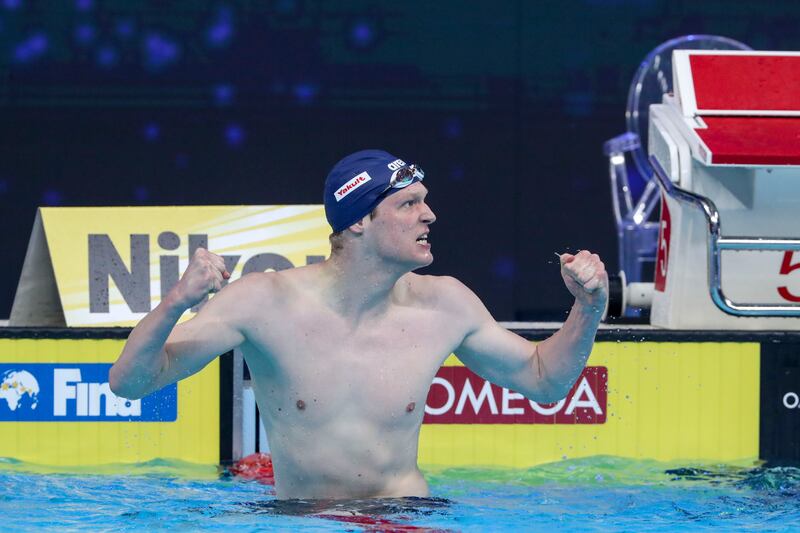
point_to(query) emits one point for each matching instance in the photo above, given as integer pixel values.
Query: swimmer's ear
(358, 227)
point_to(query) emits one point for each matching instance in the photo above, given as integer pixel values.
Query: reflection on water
(154, 467)
(373, 507)
(378, 514)
(578, 494)
(777, 480)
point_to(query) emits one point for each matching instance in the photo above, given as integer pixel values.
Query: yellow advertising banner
(57, 408)
(643, 400)
(109, 266)
(114, 264)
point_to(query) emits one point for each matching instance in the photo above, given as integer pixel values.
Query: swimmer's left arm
(544, 372)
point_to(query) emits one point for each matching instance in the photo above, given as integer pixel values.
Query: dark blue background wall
(505, 105)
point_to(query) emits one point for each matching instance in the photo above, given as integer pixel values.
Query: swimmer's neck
(356, 286)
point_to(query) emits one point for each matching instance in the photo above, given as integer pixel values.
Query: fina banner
(76, 392)
(56, 408)
(109, 266)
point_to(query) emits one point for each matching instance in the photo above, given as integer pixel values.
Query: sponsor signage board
(109, 266)
(459, 396)
(780, 403)
(644, 400)
(42, 392)
(56, 408)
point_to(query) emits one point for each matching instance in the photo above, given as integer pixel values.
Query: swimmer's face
(399, 230)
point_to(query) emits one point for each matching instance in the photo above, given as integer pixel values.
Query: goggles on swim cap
(403, 177)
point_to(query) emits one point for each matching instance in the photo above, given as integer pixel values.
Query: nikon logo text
(106, 263)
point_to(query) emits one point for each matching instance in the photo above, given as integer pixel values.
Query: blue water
(597, 494)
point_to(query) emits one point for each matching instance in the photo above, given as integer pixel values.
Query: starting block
(725, 150)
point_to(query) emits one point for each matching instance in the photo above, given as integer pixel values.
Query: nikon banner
(109, 266)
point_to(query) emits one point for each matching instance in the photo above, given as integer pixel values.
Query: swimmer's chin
(423, 264)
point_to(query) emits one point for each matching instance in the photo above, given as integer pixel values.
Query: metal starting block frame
(725, 145)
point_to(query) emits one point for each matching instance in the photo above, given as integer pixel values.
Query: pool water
(596, 494)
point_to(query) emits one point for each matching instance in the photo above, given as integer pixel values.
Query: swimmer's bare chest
(377, 370)
(339, 398)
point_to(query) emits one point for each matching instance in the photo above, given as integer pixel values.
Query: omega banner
(109, 266)
(646, 400)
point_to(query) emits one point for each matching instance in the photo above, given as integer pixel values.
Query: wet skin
(342, 353)
(359, 384)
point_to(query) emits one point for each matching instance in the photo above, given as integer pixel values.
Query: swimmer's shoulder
(257, 288)
(277, 286)
(441, 292)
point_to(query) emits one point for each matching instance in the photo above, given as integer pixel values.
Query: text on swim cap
(353, 184)
(397, 163)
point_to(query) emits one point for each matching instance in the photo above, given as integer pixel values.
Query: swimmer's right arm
(158, 352)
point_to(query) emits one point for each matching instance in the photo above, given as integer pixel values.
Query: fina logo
(57, 392)
(87, 396)
(19, 388)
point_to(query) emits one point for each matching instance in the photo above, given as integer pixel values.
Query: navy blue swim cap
(360, 181)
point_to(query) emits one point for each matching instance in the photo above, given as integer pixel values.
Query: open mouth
(422, 239)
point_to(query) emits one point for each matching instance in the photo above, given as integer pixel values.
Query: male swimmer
(342, 352)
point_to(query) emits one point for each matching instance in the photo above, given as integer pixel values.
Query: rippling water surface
(594, 494)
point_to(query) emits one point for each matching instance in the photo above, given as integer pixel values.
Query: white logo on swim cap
(397, 163)
(350, 186)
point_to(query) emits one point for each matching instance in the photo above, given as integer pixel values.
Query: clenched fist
(205, 274)
(585, 276)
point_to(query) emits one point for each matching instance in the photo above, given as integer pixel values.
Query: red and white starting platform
(725, 146)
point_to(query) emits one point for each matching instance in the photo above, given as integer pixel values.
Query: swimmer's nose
(427, 215)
